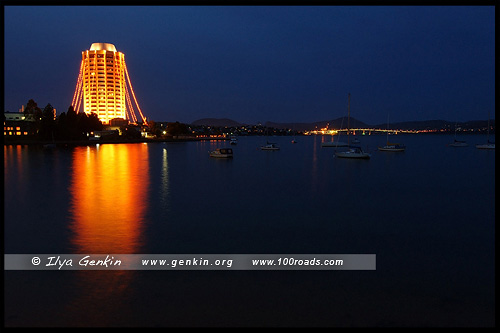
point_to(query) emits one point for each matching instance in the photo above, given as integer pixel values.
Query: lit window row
(15, 133)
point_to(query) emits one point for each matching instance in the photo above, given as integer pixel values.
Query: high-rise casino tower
(104, 85)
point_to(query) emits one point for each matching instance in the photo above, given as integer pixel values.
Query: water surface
(428, 215)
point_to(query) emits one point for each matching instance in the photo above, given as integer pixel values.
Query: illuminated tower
(102, 84)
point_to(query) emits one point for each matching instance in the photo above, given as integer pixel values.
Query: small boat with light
(458, 143)
(353, 152)
(270, 146)
(396, 147)
(222, 153)
(489, 144)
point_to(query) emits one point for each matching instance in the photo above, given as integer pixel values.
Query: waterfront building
(17, 124)
(104, 85)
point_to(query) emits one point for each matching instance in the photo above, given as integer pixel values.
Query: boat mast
(348, 116)
(387, 134)
(488, 130)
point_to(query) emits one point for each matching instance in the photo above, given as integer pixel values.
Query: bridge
(363, 131)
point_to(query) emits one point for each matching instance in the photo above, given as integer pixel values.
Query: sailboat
(395, 147)
(488, 144)
(353, 151)
(270, 145)
(457, 143)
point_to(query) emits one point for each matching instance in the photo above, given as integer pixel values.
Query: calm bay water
(428, 214)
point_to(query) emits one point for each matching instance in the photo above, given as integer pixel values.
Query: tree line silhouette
(67, 126)
(45, 125)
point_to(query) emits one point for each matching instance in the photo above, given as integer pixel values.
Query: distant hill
(218, 122)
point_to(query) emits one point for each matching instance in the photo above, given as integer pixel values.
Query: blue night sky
(271, 63)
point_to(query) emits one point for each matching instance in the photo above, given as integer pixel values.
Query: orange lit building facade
(102, 85)
(104, 82)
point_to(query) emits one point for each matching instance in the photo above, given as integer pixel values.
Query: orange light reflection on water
(108, 198)
(12, 156)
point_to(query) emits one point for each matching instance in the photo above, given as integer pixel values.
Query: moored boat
(393, 147)
(458, 143)
(222, 153)
(489, 144)
(270, 146)
(353, 152)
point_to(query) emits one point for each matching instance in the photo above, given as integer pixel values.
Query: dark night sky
(270, 63)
